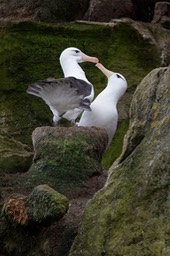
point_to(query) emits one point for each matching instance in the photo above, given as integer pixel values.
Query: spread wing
(62, 94)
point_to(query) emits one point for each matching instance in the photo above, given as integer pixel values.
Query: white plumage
(67, 96)
(103, 112)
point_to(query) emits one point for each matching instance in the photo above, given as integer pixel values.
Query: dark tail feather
(34, 90)
(85, 105)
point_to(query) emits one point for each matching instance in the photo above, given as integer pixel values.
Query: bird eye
(76, 51)
(118, 76)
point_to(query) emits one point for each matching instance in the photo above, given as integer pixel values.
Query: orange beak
(89, 58)
(104, 70)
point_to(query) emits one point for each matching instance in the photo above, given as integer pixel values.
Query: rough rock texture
(67, 157)
(159, 37)
(54, 11)
(105, 10)
(131, 214)
(42, 10)
(162, 14)
(42, 206)
(14, 156)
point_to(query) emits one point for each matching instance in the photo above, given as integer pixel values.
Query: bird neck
(111, 94)
(72, 68)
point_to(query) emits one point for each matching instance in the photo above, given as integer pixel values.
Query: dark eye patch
(76, 51)
(118, 76)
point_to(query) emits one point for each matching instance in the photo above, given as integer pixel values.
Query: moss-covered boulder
(42, 206)
(45, 205)
(14, 156)
(131, 214)
(66, 156)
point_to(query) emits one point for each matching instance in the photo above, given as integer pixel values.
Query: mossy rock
(130, 215)
(45, 205)
(14, 156)
(65, 157)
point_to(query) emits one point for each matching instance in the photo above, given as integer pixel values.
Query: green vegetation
(114, 151)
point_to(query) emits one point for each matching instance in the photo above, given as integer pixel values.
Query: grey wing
(62, 94)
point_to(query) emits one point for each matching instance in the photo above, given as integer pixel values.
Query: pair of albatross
(67, 97)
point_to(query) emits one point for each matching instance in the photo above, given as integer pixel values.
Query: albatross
(68, 96)
(104, 112)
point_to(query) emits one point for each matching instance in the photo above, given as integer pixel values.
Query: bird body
(68, 96)
(104, 112)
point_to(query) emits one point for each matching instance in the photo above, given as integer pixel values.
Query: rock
(14, 209)
(41, 10)
(130, 215)
(66, 156)
(44, 205)
(162, 14)
(14, 156)
(105, 10)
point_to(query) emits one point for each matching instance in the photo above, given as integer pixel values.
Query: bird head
(77, 55)
(116, 81)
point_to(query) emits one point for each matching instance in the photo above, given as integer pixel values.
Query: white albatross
(104, 112)
(68, 96)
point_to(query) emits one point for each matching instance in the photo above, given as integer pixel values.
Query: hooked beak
(89, 58)
(104, 70)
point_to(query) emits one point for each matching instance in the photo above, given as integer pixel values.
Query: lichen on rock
(14, 156)
(45, 205)
(130, 215)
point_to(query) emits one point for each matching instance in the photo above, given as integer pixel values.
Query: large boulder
(105, 10)
(41, 10)
(66, 156)
(162, 14)
(130, 215)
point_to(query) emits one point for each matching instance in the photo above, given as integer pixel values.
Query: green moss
(67, 160)
(122, 224)
(14, 156)
(45, 205)
(31, 50)
(115, 148)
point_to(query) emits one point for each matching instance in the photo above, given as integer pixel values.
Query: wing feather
(62, 94)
